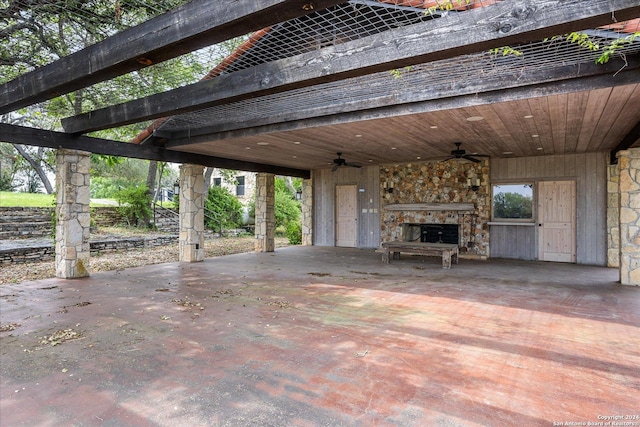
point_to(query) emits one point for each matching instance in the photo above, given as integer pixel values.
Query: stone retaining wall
(47, 253)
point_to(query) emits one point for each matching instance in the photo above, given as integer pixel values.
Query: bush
(223, 207)
(287, 209)
(294, 233)
(135, 205)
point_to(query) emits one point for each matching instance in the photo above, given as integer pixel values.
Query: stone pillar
(613, 216)
(307, 212)
(192, 198)
(265, 213)
(73, 217)
(629, 163)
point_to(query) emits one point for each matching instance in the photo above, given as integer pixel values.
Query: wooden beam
(628, 141)
(42, 138)
(189, 27)
(564, 79)
(505, 23)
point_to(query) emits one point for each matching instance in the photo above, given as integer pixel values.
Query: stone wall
(447, 182)
(47, 252)
(25, 222)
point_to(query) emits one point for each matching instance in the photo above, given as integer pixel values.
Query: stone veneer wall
(438, 182)
(629, 163)
(613, 216)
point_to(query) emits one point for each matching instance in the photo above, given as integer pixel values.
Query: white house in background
(243, 187)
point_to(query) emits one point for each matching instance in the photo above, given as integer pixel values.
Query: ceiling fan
(462, 154)
(342, 162)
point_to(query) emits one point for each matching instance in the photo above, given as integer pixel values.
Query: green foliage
(611, 48)
(505, 50)
(135, 205)
(294, 232)
(287, 209)
(224, 207)
(512, 206)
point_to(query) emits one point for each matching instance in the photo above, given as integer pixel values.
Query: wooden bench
(448, 251)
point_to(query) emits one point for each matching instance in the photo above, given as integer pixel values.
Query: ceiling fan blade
(335, 168)
(471, 159)
(353, 165)
(449, 158)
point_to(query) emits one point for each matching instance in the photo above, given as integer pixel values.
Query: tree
(512, 205)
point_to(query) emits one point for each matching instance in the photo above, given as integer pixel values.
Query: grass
(33, 200)
(9, 199)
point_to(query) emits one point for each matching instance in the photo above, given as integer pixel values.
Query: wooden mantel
(430, 207)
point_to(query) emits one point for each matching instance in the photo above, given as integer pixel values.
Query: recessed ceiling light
(539, 148)
(475, 118)
(418, 157)
(507, 152)
(295, 157)
(535, 135)
(528, 116)
(370, 160)
(393, 148)
(296, 142)
(358, 135)
(247, 148)
(263, 143)
(434, 127)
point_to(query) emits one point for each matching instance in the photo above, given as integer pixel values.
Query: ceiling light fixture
(528, 116)
(263, 143)
(535, 135)
(433, 127)
(475, 119)
(507, 152)
(358, 135)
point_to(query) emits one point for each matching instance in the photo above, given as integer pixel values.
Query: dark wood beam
(562, 79)
(42, 138)
(194, 25)
(627, 142)
(505, 23)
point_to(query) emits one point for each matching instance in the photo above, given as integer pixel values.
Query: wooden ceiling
(577, 122)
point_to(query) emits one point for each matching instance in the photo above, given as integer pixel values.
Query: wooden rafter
(194, 25)
(562, 79)
(631, 138)
(509, 22)
(42, 138)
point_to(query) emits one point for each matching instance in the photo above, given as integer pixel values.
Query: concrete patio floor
(313, 336)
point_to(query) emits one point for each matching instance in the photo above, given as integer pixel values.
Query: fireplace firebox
(432, 233)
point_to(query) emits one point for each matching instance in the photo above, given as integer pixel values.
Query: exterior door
(557, 221)
(346, 216)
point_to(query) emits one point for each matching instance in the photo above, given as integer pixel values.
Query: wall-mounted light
(389, 188)
(176, 187)
(299, 195)
(473, 183)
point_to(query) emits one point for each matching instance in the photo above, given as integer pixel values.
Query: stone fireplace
(434, 201)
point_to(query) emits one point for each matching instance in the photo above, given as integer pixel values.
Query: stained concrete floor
(312, 336)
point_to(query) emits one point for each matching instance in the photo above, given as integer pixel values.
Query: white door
(557, 221)
(347, 216)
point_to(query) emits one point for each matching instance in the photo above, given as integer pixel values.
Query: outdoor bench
(448, 251)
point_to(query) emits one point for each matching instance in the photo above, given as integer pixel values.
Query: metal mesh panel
(458, 72)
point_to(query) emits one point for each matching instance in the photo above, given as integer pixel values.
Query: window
(513, 202)
(217, 182)
(239, 185)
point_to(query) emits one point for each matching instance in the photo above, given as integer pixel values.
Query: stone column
(72, 213)
(629, 184)
(192, 198)
(613, 216)
(307, 212)
(265, 213)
